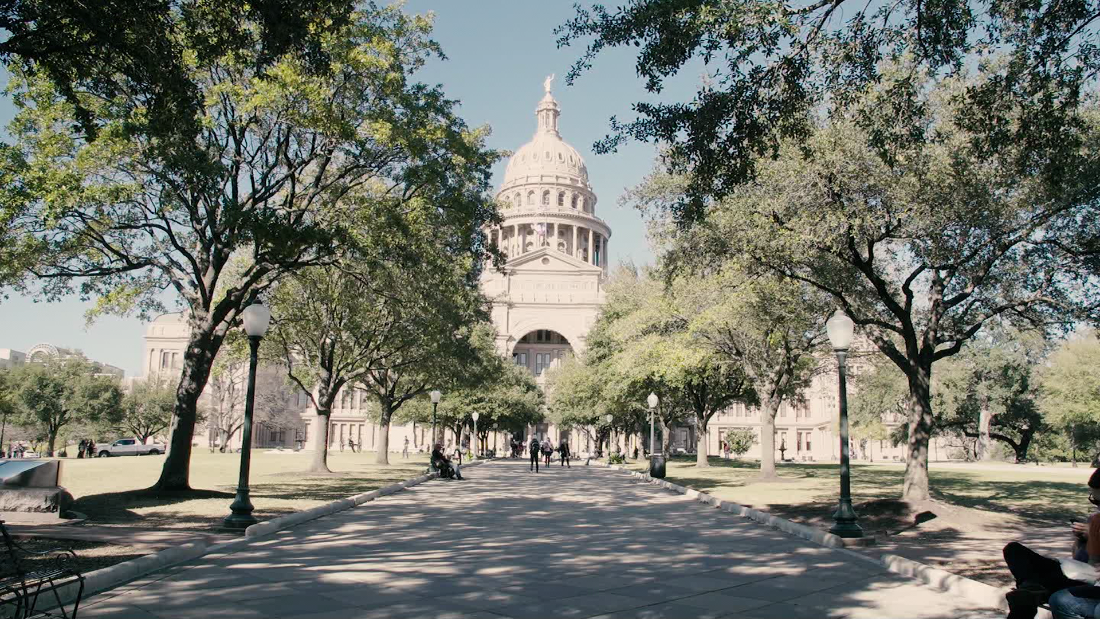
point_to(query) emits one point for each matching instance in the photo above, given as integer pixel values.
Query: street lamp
(475, 416)
(434, 395)
(256, 318)
(840, 328)
(609, 418)
(656, 460)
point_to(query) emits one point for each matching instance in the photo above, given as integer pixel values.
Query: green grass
(112, 490)
(1040, 494)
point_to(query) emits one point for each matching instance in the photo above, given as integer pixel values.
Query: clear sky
(499, 52)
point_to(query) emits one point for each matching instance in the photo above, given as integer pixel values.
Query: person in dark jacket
(534, 449)
(563, 452)
(443, 464)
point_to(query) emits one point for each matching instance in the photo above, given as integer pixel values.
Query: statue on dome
(546, 83)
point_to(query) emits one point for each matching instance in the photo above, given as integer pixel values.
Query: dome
(546, 153)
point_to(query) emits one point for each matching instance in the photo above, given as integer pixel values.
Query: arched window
(519, 199)
(546, 198)
(585, 205)
(530, 198)
(574, 201)
(561, 198)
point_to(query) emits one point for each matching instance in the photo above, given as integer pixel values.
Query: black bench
(20, 589)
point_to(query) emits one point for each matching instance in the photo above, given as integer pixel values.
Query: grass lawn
(111, 491)
(1040, 494)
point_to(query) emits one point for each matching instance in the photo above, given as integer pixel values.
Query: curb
(978, 592)
(98, 581)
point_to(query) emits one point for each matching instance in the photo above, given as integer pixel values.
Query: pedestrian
(635, 452)
(534, 449)
(563, 453)
(726, 448)
(80, 449)
(351, 444)
(405, 451)
(547, 450)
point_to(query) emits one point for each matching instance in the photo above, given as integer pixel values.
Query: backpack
(535, 446)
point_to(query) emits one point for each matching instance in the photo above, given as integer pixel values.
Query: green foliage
(740, 441)
(616, 459)
(503, 394)
(1070, 393)
(147, 409)
(298, 145)
(52, 396)
(769, 66)
(832, 211)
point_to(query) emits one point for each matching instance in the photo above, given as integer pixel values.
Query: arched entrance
(540, 350)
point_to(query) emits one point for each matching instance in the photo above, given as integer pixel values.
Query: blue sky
(499, 52)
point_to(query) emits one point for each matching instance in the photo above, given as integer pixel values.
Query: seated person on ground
(444, 465)
(1065, 582)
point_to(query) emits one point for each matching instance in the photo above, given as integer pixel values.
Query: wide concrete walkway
(578, 542)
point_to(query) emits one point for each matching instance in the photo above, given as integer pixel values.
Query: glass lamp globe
(435, 395)
(256, 318)
(840, 328)
(475, 416)
(653, 400)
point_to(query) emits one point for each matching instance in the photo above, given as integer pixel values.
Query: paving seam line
(103, 579)
(977, 592)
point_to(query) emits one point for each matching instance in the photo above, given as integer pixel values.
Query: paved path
(128, 536)
(581, 542)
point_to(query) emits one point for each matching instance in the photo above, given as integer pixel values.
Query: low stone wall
(979, 593)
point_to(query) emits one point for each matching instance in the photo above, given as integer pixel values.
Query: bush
(617, 459)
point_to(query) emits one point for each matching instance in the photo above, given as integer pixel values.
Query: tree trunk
(320, 453)
(701, 441)
(51, 439)
(198, 358)
(666, 440)
(915, 485)
(985, 443)
(382, 453)
(769, 406)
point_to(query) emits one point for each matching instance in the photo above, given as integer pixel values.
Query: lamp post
(435, 395)
(656, 460)
(256, 318)
(840, 328)
(475, 416)
(609, 418)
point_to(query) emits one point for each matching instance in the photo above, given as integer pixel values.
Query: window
(574, 202)
(799, 441)
(276, 436)
(584, 203)
(546, 198)
(807, 441)
(165, 360)
(520, 358)
(542, 361)
(561, 198)
(530, 198)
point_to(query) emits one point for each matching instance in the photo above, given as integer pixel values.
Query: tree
(922, 246)
(1069, 392)
(286, 146)
(147, 409)
(769, 66)
(771, 327)
(987, 392)
(740, 441)
(54, 395)
(138, 47)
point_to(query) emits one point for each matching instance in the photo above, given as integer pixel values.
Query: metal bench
(21, 590)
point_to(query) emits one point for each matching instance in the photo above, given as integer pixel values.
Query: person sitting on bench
(443, 464)
(1039, 578)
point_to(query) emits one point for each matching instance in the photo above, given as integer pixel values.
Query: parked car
(128, 447)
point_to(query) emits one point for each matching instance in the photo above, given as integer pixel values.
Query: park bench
(20, 589)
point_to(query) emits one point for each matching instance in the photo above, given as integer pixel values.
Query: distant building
(45, 353)
(10, 358)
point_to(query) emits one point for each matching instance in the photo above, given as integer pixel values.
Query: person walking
(534, 449)
(351, 444)
(563, 453)
(547, 450)
(405, 451)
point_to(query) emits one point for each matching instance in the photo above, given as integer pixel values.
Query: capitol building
(545, 300)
